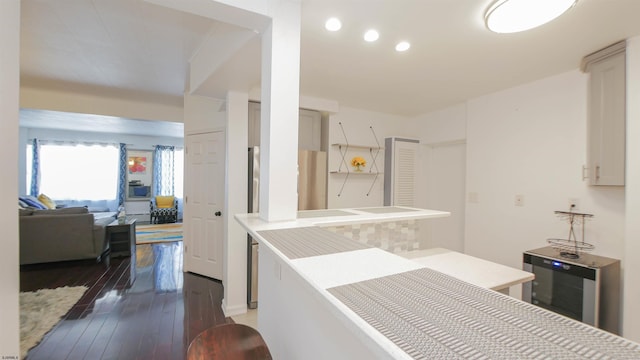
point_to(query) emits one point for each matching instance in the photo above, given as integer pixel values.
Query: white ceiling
(135, 47)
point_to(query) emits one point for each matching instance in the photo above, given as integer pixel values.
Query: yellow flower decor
(358, 162)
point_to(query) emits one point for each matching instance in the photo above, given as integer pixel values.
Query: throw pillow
(47, 201)
(164, 202)
(22, 204)
(33, 202)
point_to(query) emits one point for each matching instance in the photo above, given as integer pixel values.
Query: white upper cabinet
(309, 128)
(254, 124)
(606, 115)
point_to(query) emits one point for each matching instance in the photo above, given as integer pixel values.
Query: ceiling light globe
(333, 24)
(403, 46)
(371, 36)
(510, 16)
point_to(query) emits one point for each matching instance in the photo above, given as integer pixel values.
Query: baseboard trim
(233, 310)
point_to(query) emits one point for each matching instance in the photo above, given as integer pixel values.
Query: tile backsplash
(393, 236)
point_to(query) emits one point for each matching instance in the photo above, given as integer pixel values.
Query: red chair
(229, 342)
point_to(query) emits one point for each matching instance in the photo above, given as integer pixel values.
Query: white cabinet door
(254, 124)
(309, 128)
(606, 125)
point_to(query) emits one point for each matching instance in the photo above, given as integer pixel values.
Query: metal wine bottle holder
(571, 247)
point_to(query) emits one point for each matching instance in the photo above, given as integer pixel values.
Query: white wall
(443, 126)
(630, 323)
(531, 140)
(9, 271)
(356, 125)
(441, 174)
(203, 114)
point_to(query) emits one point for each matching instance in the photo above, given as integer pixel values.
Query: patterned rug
(155, 233)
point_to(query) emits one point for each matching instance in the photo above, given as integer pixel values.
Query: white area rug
(41, 310)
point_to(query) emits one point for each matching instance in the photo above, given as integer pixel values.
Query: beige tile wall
(395, 237)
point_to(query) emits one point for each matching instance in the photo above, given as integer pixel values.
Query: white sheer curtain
(178, 168)
(178, 179)
(80, 174)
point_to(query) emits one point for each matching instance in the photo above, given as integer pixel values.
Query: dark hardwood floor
(154, 317)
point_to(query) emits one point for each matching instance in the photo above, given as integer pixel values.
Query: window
(78, 172)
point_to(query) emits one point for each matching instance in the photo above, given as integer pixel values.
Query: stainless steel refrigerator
(312, 195)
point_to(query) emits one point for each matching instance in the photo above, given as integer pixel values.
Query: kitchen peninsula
(324, 296)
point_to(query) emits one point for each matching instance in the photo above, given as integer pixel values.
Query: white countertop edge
(470, 269)
(254, 221)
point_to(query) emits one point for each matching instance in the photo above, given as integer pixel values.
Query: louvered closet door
(401, 162)
(405, 156)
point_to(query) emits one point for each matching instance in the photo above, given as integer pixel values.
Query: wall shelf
(355, 172)
(343, 167)
(356, 146)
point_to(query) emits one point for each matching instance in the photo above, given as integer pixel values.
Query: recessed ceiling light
(371, 35)
(403, 46)
(510, 16)
(333, 24)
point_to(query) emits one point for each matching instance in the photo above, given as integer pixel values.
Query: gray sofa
(62, 234)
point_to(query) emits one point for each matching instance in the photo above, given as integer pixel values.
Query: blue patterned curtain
(35, 168)
(122, 173)
(163, 167)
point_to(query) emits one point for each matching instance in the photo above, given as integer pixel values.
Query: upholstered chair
(164, 209)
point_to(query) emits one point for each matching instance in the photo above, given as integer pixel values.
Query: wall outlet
(519, 200)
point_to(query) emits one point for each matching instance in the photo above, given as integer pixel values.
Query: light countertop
(471, 269)
(339, 271)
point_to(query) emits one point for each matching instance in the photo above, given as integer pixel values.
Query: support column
(235, 243)
(9, 104)
(631, 263)
(279, 112)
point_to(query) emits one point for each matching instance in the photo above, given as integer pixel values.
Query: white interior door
(204, 203)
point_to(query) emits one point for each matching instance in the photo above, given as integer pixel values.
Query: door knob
(218, 213)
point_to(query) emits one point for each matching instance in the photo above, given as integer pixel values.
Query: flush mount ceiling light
(510, 16)
(333, 24)
(402, 46)
(371, 36)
